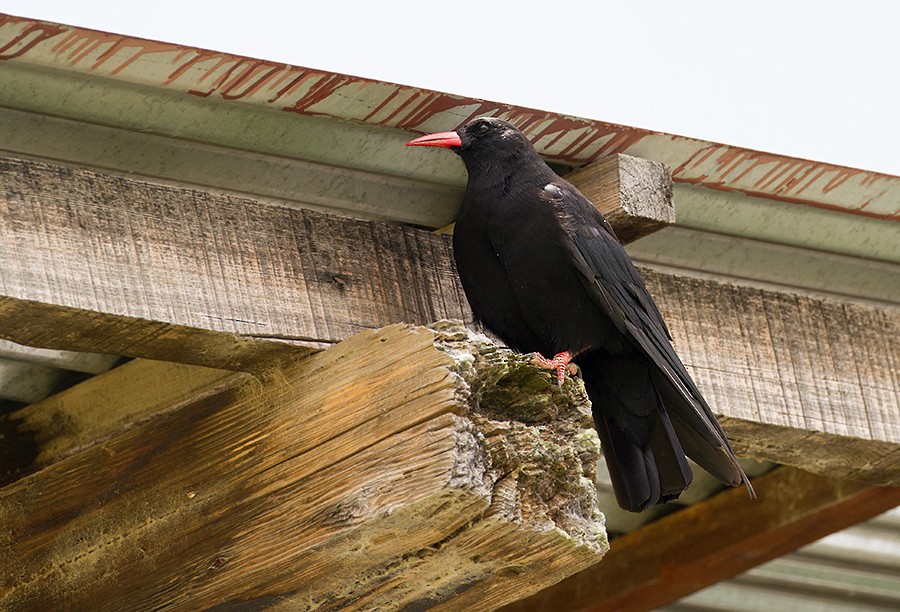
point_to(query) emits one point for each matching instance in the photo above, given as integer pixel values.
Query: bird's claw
(561, 362)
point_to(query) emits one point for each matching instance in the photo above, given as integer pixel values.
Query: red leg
(561, 362)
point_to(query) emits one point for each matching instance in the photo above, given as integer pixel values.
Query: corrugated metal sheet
(29, 374)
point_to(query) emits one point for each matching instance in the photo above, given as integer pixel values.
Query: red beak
(441, 139)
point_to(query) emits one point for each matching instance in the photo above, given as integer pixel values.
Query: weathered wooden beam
(100, 408)
(715, 539)
(634, 194)
(400, 468)
(114, 265)
(99, 330)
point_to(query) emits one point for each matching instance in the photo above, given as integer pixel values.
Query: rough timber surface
(115, 265)
(635, 195)
(400, 468)
(97, 409)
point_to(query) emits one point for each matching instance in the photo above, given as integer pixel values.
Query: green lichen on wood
(535, 434)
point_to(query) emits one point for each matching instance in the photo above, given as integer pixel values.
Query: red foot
(561, 363)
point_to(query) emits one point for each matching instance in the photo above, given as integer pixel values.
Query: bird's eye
(483, 127)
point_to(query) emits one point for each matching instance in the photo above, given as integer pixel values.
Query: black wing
(610, 277)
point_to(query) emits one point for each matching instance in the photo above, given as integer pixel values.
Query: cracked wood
(369, 474)
(116, 265)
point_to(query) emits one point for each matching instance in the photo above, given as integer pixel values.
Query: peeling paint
(571, 140)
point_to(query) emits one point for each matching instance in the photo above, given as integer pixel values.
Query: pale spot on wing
(554, 191)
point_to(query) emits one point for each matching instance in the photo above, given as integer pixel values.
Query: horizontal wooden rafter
(715, 539)
(45, 432)
(115, 265)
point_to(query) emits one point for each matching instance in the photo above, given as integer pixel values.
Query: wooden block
(403, 467)
(634, 194)
(714, 540)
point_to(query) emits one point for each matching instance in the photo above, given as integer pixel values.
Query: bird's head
(482, 141)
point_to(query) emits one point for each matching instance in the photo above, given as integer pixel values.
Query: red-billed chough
(544, 271)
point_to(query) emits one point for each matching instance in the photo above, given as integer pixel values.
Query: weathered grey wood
(635, 195)
(220, 263)
(143, 261)
(795, 377)
(374, 474)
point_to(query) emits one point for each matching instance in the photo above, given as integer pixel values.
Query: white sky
(817, 80)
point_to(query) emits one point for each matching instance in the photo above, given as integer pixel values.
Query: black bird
(543, 270)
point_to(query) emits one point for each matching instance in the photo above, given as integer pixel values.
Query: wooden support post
(400, 468)
(715, 539)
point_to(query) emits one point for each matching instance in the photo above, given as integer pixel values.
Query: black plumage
(543, 270)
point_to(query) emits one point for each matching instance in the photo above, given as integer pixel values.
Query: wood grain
(114, 265)
(102, 407)
(715, 539)
(634, 194)
(370, 474)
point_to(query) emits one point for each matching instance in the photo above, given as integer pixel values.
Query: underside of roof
(305, 138)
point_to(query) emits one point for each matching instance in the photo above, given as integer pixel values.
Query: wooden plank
(109, 264)
(781, 369)
(101, 407)
(61, 326)
(634, 194)
(373, 474)
(166, 255)
(714, 540)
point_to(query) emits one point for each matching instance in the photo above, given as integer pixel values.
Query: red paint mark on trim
(88, 50)
(383, 103)
(175, 74)
(816, 177)
(250, 69)
(253, 87)
(37, 33)
(708, 152)
(785, 167)
(138, 53)
(842, 177)
(789, 181)
(211, 72)
(397, 110)
(109, 53)
(728, 161)
(290, 87)
(65, 43)
(792, 200)
(320, 90)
